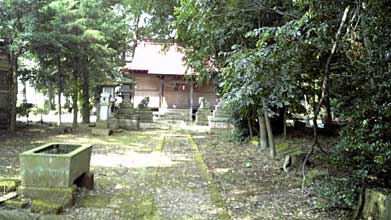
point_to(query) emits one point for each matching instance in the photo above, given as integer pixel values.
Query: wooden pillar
(161, 91)
(133, 77)
(191, 99)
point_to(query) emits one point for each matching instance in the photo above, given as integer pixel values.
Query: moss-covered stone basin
(54, 165)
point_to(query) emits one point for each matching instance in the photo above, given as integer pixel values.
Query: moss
(159, 148)
(313, 174)
(284, 149)
(254, 141)
(143, 209)
(212, 186)
(64, 196)
(95, 201)
(19, 204)
(8, 185)
(377, 202)
(39, 206)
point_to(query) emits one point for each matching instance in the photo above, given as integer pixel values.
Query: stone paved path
(160, 177)
(182, 192)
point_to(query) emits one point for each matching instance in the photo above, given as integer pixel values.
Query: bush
(336, 192)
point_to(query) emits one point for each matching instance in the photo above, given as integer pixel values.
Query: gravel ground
(137, 176)
(164, 175)
(256, 188)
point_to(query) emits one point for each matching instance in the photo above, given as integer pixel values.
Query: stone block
(62, 196)
(374, 204)
(129, 124)
(23, 215)
(145, 115)
(16, 203)
(202, 116)
(219, 123)
(113, 124)
(102, 124)
(43, 207)
(101, 132)
(220, 114)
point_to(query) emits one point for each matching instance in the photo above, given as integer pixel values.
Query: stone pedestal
(102, 124)
(129, 123)
(145, 115)
(202, 116)
(203, 112)
(64, 196)
(102, 129)
(220, 118)
(125, 118)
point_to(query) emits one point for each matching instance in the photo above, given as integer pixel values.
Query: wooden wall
(4, 88)
(176, 92)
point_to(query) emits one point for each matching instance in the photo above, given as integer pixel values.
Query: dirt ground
(176, 173)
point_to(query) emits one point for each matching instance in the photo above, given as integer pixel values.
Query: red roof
(158, 58)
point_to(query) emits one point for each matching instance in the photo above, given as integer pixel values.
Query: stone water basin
(49, 172)
(54, 164)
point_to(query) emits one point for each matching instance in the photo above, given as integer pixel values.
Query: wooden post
(191, 99)
(161, 90)
(133, 98)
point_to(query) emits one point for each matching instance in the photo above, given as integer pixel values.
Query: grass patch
(212, 186)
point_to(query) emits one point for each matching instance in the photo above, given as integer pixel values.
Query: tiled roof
(158, 58)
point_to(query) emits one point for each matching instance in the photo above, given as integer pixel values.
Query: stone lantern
(125, 117)
(106, 101)
(126, 92)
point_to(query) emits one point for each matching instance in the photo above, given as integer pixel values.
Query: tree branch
(323, 95)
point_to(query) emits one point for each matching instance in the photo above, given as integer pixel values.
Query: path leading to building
(142, 175)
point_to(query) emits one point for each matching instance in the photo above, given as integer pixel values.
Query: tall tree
(16, 17)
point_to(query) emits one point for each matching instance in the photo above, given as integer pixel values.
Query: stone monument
(125, 117)
(106, 101)
(220, 118)
(104, 106)
(144, 112)
(203, 112)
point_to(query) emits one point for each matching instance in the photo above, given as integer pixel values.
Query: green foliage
(364, 151)
(336, 192)
(24, 109)
(279, 61)
(209, 29)
(365, 147)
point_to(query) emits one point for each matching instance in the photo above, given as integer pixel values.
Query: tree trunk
(86, 98)
(50, 94)
(285, 112)
(270, 136)
(14, 91)
(262, 132)
(328, 118)
(191, 100)
(75, 95)
(306, 106)
(59, 91)
(250, 129)
(136, 35)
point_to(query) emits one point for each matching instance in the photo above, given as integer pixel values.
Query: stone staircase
(174, 114)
